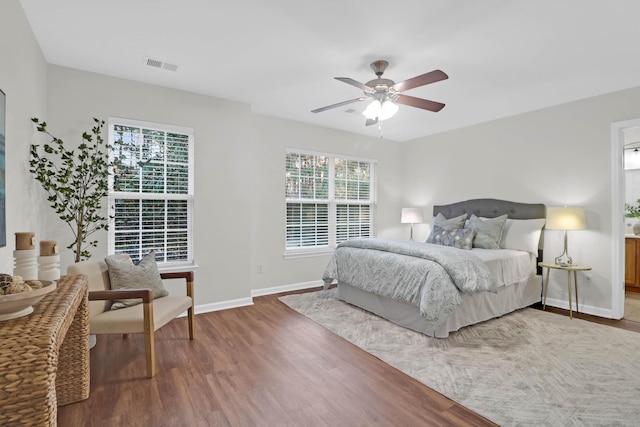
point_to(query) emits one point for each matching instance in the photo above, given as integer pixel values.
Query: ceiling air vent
(157, 63)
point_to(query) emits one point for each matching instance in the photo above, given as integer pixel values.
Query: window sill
(173, 267)
(293, 254)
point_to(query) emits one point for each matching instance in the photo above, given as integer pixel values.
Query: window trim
(314, 251)
(189, 197)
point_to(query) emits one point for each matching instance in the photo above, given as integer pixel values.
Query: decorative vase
(636, 228)
(25, 264)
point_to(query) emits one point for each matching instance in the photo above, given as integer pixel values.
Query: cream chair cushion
(127, 320)
(130, 320)
(98, 275)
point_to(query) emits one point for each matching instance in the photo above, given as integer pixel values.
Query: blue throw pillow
(446, 224)
(461, 238)
(488, 231)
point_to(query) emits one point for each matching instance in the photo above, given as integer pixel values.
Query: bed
(369, 272)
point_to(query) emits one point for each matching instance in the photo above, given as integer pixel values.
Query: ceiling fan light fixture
(380, 110)
(373, 110)
(389, 109)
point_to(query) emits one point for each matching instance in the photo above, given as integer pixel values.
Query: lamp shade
(566, 218)
(411, 216)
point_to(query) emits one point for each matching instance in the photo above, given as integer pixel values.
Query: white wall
(270, 140)
(23, 80)
(557, 156)
(222, 244)
(239, 163)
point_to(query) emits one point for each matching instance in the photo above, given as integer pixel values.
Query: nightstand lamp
(565, 218)
(411, 216)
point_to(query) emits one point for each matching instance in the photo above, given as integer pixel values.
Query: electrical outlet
(259, 268)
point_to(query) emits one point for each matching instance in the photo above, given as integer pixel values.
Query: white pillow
(522, 234)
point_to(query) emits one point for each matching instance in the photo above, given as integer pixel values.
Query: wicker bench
(44, 357)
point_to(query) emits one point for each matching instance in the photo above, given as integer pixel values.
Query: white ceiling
(503, 57)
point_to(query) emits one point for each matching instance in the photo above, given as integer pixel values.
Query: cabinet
(632, 264)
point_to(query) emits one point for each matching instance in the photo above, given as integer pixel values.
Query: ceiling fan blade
(425, 104)
(339, 104)
(424, 79)
(355, 83)
(370, 122)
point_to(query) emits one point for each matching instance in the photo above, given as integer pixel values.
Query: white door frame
(617, 215)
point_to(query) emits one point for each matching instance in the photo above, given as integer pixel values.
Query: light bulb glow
(380, 110)
(373, 110)
(389, 109)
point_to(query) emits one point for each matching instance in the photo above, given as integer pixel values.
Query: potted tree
(76, 183)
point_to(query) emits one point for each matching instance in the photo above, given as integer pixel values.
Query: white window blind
(151, 190)
(329, 199)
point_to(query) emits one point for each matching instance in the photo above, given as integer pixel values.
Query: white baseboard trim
(586, 309)
(286, 288)
(223, 305)
(243, 302)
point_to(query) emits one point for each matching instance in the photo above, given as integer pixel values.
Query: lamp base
(567, 260)
(564, 262)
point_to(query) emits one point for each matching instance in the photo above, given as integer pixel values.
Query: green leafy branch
(632, 211)
(76, 182)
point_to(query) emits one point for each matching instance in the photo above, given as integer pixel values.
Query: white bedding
(518, 286)
(507, 266)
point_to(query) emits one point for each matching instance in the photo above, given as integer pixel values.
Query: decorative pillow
(522, 234)
(488, 231)
(460, 238)
(124, 274)
(447, 224)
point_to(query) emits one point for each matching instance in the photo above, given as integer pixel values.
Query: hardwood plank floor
(262, 365)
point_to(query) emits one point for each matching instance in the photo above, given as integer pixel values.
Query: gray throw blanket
(425, 275)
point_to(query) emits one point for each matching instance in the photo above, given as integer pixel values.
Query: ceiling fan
(385, 93)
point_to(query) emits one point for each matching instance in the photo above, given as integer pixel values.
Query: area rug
(527, 368)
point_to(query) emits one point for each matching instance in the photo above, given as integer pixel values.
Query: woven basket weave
(44, 357)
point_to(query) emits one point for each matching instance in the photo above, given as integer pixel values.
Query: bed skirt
(474, 308)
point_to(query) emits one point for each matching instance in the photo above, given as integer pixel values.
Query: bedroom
(554, 155)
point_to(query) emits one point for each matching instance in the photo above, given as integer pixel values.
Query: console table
(44, 356)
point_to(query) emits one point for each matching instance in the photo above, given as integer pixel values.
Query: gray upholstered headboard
(491, 208)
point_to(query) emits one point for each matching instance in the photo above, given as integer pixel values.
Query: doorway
(622, 134)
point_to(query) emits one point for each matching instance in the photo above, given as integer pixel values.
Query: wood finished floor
(262, 365)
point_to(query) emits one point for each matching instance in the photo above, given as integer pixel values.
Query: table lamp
(411, 216)
(565, 218)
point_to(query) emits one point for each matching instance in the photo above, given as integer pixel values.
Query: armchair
(145, 318)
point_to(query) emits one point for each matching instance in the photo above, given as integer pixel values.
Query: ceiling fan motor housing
(379, 67)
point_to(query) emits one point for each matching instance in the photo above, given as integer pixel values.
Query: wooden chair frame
(147, 307)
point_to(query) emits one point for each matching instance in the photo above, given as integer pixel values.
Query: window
(329, 199)
(151, 190)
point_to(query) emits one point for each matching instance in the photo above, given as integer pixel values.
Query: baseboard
(286, 288)
(586, 309)
(243, 302)
(223, 305)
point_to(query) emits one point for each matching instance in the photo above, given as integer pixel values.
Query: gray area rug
(529, 367)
